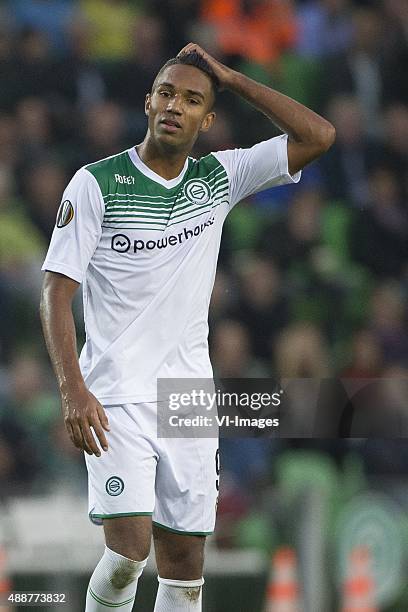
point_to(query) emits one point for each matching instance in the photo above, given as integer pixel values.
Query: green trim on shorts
(108, 516)
(107, 603)
(191, 533)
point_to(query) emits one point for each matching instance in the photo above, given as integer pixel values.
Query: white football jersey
(145, 250)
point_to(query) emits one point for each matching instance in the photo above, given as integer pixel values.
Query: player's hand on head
(86, 422)
(222, 72)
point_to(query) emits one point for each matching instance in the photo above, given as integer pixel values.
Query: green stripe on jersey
(139, 202)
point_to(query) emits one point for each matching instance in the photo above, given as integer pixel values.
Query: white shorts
(174, 480)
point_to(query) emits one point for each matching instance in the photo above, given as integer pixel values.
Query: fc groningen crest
(197, 191)
(114, 486)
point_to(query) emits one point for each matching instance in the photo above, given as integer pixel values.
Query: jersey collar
(141, 166)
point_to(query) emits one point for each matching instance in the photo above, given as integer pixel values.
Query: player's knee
(122, 576)
(125, 572)
(187, 553)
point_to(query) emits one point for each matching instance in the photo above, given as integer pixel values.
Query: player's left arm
(310, 135)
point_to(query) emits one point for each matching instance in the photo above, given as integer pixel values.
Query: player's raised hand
(81, 412)
(222, 72)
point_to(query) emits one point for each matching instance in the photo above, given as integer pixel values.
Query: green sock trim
(107, 603)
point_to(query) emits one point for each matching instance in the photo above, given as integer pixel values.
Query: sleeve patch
(65, 213)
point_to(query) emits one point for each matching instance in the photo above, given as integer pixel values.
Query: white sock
(179, 595)
(113, 583)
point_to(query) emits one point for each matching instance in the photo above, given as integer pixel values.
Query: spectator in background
(10, 151)
(379, 237)
(111, 28)
(21, 249)
(20, 461)
(231, 352)
(35, 131)
(293, 238)
(18, 467)
(388, 322)
(301, 352)
(345, 167)
(258, 31)
(261, 306)
(128, 81)
(395, 51)
(325, 27)
(103, 132)
(314, 273)
(366, 359)
(37, 423)
(44, 183)
(34, 66)
(6, 67)
(83, 84)
(26, 70)
(396, 141)
(179, 18)
(302, 362)
(51, 17)
(20, 242)
(20, 245)
(358, 70)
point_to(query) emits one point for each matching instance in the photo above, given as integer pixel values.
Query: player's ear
(207, 122)
(147, 104)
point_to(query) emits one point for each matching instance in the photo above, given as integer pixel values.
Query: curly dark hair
(191, 59)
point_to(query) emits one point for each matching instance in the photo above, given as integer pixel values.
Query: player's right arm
(76, 236)
(81, 410)
(309, 134)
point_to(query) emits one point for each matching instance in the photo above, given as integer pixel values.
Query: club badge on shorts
(114, 486)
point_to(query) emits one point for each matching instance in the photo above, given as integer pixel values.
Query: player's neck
(166, 163)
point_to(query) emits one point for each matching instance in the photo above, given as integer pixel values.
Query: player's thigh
(178, 557)
(129, 536)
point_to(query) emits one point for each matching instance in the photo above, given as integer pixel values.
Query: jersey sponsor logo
(65, 213)
(114, 486)
(120, 243)
(124, 180)
(197, 191)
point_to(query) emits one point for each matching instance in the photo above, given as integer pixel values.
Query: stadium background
(312, 279)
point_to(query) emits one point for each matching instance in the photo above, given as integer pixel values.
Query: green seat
(256, 531)
(297, 471)
(300, 78)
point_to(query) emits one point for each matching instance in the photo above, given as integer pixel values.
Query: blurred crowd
(312, 279)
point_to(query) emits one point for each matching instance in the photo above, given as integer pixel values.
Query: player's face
(179, 106)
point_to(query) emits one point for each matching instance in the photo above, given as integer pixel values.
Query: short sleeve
(78, 227)
(260, 167)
